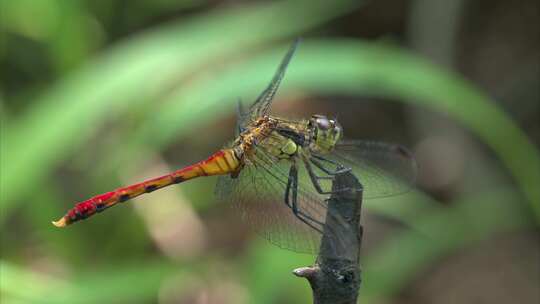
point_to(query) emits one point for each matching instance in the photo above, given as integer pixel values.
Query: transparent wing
(242, 119)
(261, 106)
(258, 194)
(383, 169)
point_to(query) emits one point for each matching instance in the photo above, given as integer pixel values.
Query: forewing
(382, 169)
(242, 119)
(261, 106)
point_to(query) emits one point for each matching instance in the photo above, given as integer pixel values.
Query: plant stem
(335, 277)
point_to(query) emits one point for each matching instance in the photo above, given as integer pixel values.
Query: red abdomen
(222, 162)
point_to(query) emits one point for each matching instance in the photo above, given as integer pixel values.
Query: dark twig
(335, 277)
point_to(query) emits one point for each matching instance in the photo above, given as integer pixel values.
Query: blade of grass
(18, 282)
(119, 284)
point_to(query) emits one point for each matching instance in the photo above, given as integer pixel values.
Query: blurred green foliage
(161, 86)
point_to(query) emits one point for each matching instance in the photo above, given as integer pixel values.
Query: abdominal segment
(220, 163)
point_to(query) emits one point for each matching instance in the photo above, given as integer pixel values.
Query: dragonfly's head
(326, 133)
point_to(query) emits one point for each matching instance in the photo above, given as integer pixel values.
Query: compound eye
(323, 123)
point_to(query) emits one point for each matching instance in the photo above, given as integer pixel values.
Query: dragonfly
(278, 172)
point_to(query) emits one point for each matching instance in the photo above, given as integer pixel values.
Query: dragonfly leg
(308, 220)
(292, 203)
(315, 179)
(339, 167)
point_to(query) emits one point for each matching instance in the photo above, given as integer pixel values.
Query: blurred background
(99, 94)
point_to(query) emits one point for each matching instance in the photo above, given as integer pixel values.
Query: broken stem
(335, 277)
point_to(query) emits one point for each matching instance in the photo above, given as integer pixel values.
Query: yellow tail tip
(60, 223)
